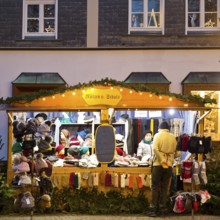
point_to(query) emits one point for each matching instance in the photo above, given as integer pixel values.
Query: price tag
(28, 201)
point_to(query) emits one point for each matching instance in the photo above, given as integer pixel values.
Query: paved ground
(108, 217)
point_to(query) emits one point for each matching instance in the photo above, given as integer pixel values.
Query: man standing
(164, 147)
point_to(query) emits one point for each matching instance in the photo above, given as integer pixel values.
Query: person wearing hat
(60, 151)
(164, 148)
(144, 149)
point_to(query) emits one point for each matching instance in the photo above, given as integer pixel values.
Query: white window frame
(147, 29)
(202, 19)
(41, 33)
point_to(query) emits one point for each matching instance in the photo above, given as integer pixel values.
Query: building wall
(112, 22)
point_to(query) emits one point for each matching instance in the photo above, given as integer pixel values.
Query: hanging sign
(102, 96)
(105, 143)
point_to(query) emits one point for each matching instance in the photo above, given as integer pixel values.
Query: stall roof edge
(201, 78)
(39, 78)
(147, 77)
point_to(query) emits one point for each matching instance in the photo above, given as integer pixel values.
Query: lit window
(39, 18)
(203, 14)
(146, 15)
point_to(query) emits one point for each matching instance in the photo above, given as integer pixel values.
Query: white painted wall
(85, 65)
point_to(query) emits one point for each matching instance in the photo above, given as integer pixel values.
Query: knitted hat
(23, 159)
(16, 147)
(74, 142)
(83, 133)
(73, 151)
(49, 139)
(59, 148)
(45, 201)
(23, 167)
(83, 150)
(42, 129)
(66, 133)
(119, 151)
(42, 115)
(148, 132)
(164, 125)
(43, 145)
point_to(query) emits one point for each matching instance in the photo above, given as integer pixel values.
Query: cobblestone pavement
(104, 217)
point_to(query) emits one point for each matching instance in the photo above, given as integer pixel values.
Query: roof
(39, 78)
(202, 77)
(147, 77)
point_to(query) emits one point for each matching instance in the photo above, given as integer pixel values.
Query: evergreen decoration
(94, 202)
(27, 98)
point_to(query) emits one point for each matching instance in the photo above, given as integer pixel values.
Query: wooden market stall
(96, 96)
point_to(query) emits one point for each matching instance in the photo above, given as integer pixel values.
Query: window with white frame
(146, 15)
(39, 18)
(203, 14)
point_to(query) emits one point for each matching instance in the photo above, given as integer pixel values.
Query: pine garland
(27, 98)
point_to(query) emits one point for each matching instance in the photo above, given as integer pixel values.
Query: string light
(170, 99)
(53, 97)
(121, 89)
(43, 99)
(92, 89)
(130, 91)
(150, 95)
(160, 97)
(83, 91)
(74, 93)
(63, 95)
(140, 93)
(111, 88)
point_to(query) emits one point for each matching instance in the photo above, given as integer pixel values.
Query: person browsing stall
(164, 147)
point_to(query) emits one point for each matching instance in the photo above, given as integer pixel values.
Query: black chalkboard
(105, 143)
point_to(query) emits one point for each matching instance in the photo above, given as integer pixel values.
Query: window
(202, 15)
(39, 18)
(146, 15)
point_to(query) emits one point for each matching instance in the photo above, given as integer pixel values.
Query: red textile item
(185, 142)
(195, 205)
(71, 179)
(130, 185)
(139, 182)
(186, 169)
(108, 179)
(120, 152)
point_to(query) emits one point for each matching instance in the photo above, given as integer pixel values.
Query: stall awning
(202, 78)
(147, 77)
(39, 78)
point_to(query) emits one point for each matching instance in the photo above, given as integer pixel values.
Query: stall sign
(102, 96)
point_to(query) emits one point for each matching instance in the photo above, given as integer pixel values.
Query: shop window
(39, 18)
(146, 16)
(202, 15)
(28, 82)
(206, 84)
(150, 79)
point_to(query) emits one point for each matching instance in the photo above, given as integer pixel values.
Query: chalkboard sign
(105, 143)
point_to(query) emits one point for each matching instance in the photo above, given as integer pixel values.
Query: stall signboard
(109, 97)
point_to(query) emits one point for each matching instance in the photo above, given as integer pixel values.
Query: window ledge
(203, 33)
(39, 38)
(145, 33)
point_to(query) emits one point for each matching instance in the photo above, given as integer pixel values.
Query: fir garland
(27, 98)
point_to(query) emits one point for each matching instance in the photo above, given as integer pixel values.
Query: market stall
(106, 98)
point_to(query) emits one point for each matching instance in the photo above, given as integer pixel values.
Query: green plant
(6, 195)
